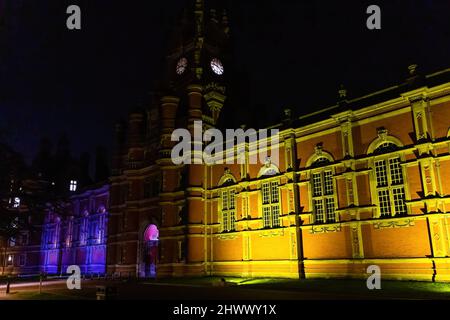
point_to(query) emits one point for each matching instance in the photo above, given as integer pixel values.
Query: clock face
(217, 66)
(181, 65)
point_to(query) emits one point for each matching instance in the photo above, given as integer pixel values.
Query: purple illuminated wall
(78, 235)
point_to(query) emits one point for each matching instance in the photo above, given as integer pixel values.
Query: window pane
(224, 200)
(317, 185)
(399, 200)
(225, 221)
(318, 207)
(385, 204)
(396, 171)
(232, 221)
(329, 202)
(266, 216)
(380, 171)
(328, 177)
(265, 193)
(232, 198)
(275, 192)
(275, 216)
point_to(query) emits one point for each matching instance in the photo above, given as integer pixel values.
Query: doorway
(150, 250)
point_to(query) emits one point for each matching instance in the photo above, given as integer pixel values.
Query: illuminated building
(72, 231)
(359, 183)
(75, 233)
(62, 216)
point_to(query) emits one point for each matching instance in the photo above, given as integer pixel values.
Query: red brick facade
(360, 183)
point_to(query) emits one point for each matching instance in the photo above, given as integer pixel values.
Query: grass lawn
(41, 296)
(404, 289)
(341, 289)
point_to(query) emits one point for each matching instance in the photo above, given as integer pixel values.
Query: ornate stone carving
(355, 243)
(382, 133)
(394, 224)
(227, 236)
(318, 149)
(271, 233)
(325, 229)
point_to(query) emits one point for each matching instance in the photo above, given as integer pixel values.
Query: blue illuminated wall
(75, 233)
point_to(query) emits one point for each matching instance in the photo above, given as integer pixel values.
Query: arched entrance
(150, 250)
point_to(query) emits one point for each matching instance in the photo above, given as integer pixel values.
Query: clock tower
(197, 63)
(158, 208)
(194, 89)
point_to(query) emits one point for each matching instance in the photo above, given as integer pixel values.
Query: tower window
(216, 66)
(181, 65)
(16, 203)
(73, 185)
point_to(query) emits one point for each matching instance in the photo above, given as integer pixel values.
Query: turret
(119, 148)
(136, 126)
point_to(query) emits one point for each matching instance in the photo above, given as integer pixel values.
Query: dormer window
(16, 203)
(181, 66)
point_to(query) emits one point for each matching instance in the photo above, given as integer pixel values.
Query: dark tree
(101, 164)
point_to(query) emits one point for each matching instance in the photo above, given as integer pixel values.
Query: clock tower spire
(197, 63)
(199, 36)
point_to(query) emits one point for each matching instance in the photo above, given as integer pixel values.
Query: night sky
(292, 53)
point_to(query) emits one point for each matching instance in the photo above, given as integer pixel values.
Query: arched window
(270, 204)
(323, 193)
(385, 147)
(389, 181)
(384, 143)
(228, 210)
(320, 161)
(319, 158)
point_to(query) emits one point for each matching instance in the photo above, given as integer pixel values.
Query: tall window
(151, 187)
(16, 203)
(323, 196)
(69, 233)
(101, 231)
(228, 210)
(22, 260)
(181, 250)
(121, 254)
(390, 184)
(271, 204)
(83, 231)
(93, 231)
(73, 185)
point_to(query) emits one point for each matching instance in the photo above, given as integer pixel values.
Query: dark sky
(295, 53)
